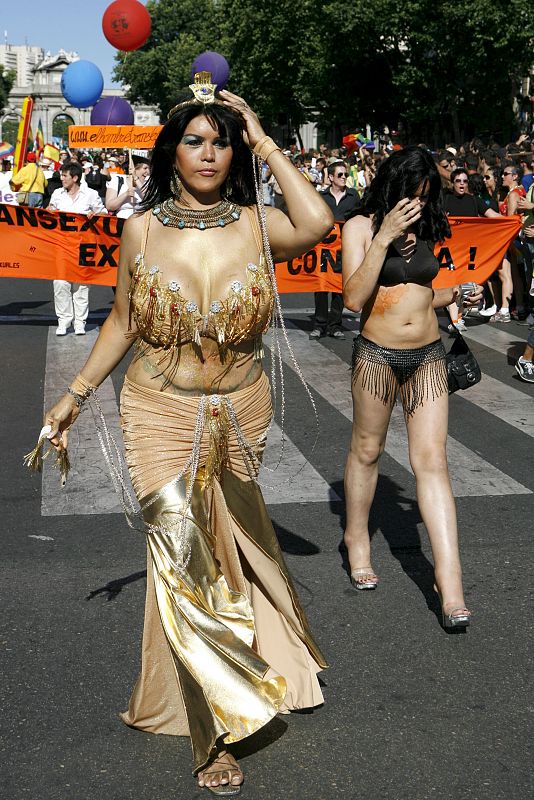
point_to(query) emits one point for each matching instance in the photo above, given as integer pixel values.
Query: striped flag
(23, 133)
(39, 137)
(51, 151)
(6, 149)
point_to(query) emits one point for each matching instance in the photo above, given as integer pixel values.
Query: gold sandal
(224, 789)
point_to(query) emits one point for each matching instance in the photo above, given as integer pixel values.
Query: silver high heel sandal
(364, 578)
(459, 617)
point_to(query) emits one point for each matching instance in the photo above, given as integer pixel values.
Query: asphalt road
(410, 711)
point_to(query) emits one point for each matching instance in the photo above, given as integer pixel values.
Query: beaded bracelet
(86, 390)
(78, 398)
(265, 147)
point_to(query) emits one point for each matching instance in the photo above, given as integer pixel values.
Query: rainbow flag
(39, 137)
(6, 149)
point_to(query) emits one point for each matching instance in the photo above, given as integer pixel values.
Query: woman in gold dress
(226, 644)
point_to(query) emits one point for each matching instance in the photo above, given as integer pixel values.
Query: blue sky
(77, 26)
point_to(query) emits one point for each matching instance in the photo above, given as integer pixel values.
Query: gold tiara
(203, 92)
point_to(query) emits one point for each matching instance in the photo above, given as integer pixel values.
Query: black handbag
(463, 370)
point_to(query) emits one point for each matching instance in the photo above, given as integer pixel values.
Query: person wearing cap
(114, 166)
(30, 183)
(125, 192)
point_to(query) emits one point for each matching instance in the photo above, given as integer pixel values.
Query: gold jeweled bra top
(166, 319)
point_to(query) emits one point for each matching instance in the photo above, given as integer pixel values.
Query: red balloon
(126, 24)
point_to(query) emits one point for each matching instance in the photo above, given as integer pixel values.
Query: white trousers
(71, 302)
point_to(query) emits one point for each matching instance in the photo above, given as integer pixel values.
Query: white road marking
(498, 338)
(295, 480)
(504, 402)
(89, 489)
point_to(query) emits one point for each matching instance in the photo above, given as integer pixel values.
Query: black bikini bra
(417, 265)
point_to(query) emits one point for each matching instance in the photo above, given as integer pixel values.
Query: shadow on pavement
(9, 309)
(270, 733)
(397, 518)
(114, 588)
(294, 544)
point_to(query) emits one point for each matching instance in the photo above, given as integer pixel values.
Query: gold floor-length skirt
(226, 644)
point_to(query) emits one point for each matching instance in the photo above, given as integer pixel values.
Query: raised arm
(114, 200)
(364, 256)
(111, 346)
(309, 218)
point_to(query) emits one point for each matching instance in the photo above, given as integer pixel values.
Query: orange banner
(473, 252)
(141, 137)
(37, 243)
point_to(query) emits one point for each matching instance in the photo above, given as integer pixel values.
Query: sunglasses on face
(341, 175)
(507, 173)
(487, 177)
(460, 180)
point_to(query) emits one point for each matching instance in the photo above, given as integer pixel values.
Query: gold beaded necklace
(174, 216)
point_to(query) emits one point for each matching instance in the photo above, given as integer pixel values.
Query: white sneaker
(79, 328)
(61, 330)
(488, 312)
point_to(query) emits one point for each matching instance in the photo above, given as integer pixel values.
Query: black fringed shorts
(415, 374)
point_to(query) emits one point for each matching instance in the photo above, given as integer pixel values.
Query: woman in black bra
(388, 268)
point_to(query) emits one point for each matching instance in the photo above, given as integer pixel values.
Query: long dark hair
(400, 176)
(230, 125)
(497, 177)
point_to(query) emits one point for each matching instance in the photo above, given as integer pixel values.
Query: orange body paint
(387, 296)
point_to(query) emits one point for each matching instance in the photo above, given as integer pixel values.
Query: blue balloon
(214, 63)
(82, 84)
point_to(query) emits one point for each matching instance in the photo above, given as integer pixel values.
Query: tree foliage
(439, 70)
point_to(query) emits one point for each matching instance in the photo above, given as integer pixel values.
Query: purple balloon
(214, 63)
(112, 111)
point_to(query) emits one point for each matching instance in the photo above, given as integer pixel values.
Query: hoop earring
(176, 184)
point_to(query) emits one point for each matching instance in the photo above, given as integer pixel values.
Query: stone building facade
(39, 74)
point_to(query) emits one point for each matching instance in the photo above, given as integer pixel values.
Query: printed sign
(140, 136)
(38, 243)
(473, 252)
(56, 245)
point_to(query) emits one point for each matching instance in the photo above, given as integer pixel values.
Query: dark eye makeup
(195, 141)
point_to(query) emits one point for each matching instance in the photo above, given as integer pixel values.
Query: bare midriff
(400, 316)
(195, 376)
(204, 264)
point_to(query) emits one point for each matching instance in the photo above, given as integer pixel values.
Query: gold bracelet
(265, 147)
(81, 387)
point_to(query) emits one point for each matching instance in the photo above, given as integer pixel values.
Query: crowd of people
(477, 179)
(82, 182)
(227, 645)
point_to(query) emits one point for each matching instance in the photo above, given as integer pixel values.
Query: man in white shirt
(71, 300)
